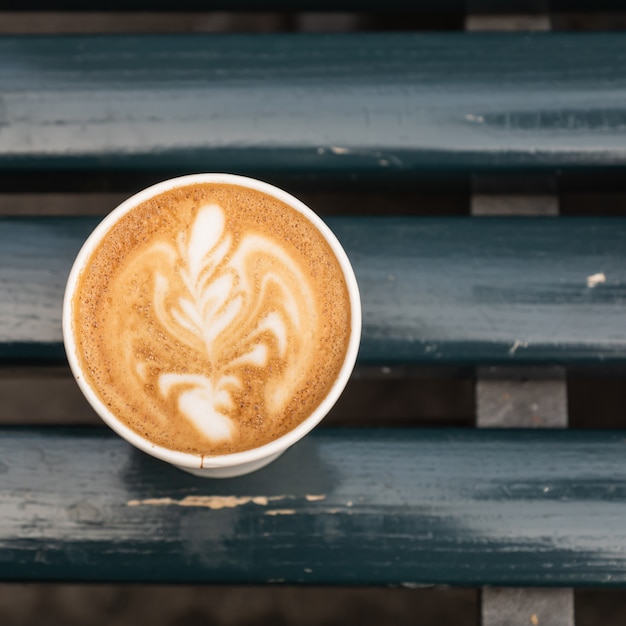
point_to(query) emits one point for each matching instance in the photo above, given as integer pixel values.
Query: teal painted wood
(368, 107)
(435, 291)
(458, 507)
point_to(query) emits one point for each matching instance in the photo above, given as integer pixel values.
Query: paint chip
(595, 279)
(516, 345)
(210, 502)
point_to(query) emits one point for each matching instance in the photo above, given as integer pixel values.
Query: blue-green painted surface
(342, 507)
(435, 291)
(367, 107)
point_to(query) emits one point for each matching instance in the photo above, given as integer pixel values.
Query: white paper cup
(238, 463)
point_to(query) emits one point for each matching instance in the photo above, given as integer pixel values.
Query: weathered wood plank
(460, 507)
(504, 400)
(435, 291)
(505, 606)
(358, 108)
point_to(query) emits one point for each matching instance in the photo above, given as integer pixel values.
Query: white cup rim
(199, 461)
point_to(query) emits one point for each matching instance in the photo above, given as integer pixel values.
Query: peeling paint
(384, 159)
(281, 512)
(209, 502)
(595, 279)
(225, 502)
(337, 150)
(518, 344)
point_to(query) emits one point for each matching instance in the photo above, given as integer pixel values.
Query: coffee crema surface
(212, 319)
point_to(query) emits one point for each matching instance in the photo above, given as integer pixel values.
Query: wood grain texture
(459, 507)
(435, 291)
(505, 606)
(358, 108)
(508, 402)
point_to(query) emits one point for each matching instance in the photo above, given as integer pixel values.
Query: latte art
(246, 306)
(212, 319)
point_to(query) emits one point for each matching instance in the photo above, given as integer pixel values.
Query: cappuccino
(211, 319)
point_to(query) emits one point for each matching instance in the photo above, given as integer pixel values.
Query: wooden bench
(396, 121)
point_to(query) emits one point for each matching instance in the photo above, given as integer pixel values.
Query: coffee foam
(212, 319)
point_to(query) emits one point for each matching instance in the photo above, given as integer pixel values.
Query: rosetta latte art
(211, 319)
(244, 304)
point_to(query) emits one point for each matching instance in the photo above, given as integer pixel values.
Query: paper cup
(227, 465)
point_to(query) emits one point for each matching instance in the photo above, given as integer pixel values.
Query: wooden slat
(459, 507)
(372, 107)
(511, 606)
(506, 400)
(435, 291)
